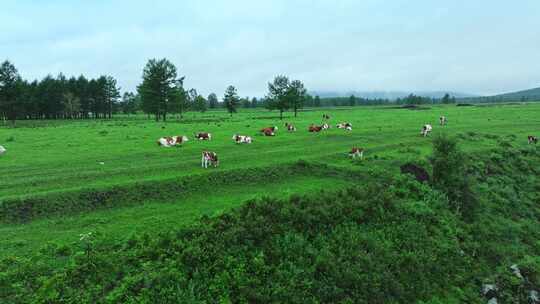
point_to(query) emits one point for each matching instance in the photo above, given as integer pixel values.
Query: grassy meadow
(52, 160)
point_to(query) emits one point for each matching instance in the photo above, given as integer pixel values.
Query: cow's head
(184, 138)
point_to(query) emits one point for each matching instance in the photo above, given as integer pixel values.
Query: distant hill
(531, 94)
(391, 95)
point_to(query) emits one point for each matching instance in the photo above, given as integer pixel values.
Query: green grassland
(288, 218)
(51, 160)
(66, 156)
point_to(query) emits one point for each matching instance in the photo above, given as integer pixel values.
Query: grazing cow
(203, 136)
(171, 141)
(443, 120)
(290, 127)
(209, 158)
(345, 125)
(531, 139)
(326, 116)
(270, 131)
(2, 150)
(242, 139)
(426, 129)
(356, 152)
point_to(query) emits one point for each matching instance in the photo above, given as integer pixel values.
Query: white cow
(209, 158)
(345, 125)
(2, 150)
(171, 141)
(242, 139)
(325, 126)
(426, 129)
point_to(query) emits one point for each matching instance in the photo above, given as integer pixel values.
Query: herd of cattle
(211, 158)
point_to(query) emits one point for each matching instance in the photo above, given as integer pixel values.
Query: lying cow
(531, 139)
(426, 129)
(316, 129)
(443, 120)
(290, 127)
(242, 139)
(2, 150)
(345, 125)
(356, 152)
(209, 158)
(171, 141)
(203, 136)
(270, 131)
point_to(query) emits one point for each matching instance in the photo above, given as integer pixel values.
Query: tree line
(160, 94)
(55, 97)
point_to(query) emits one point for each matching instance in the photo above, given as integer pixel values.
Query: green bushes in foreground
(377, 244)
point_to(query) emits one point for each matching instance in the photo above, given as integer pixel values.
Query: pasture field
(54, 161)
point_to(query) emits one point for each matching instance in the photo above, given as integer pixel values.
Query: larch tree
(231, 100)
(10, 85)
(158, 87)
(297, 95)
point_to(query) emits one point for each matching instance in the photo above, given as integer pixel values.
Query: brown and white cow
(270, 131)
(209, 158)
(316, 129)
(443, 120)
(171, 141)
(532, 139)
(356, 152)
(242, 139)
(426, 129)
(290, 127)
(203, 136)
(345, 125)
(2, 150)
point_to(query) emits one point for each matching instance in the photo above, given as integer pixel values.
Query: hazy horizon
(480, 48)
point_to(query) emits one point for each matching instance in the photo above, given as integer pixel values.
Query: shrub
(450, 175)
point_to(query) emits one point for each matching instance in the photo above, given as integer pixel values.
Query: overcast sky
(473, 46)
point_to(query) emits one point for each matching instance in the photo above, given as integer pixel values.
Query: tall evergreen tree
(157, 88)
(278, 95)
(10, 89)
(297, 95)
(231, 99)
(180, 99)
(112, 93)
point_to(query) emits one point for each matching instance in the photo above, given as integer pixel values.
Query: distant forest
(162, 93)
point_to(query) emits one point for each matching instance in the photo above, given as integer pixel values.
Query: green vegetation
(95, 211)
